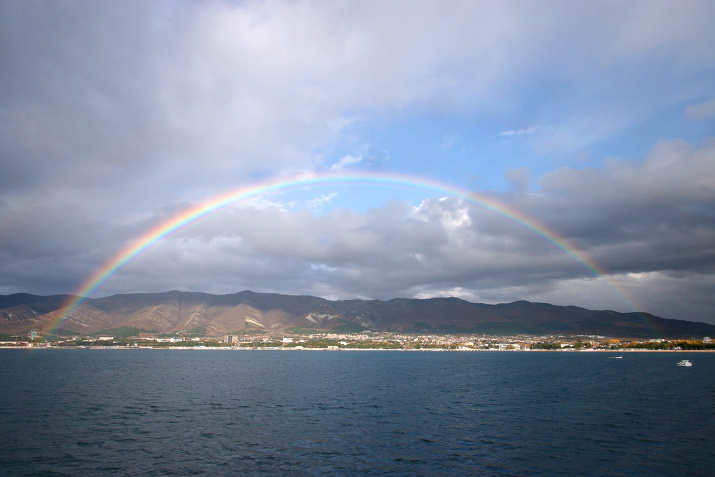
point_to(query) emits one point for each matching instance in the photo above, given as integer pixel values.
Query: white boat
(685, 362)
(616, 357)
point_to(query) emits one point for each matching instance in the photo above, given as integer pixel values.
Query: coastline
(222, 348)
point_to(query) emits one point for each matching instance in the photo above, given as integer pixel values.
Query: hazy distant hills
(248, 311)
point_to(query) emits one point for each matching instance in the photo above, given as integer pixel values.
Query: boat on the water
(685, 362)
(616, 357)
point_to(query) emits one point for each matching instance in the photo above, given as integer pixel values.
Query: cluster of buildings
(377, 340)
(440, 341)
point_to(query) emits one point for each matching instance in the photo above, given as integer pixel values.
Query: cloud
(346, 161)
(241, 86)
(321, 201)
(519, 178)
(519, 132)
(651, 216)
(701, 111)
(625, 216)
(448, 141)
(115, 116)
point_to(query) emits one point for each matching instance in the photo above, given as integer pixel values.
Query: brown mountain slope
(221, 314)
(22, 312)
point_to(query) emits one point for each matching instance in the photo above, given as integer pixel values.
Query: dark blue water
(160, 412)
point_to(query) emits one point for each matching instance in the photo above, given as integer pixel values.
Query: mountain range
(247, 311)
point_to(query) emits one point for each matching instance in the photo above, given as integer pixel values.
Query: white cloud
(448, 141)
(346, 161)
(701, 111)
(319, 203)
(519, 132)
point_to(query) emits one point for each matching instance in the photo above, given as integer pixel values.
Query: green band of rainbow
(244, 193)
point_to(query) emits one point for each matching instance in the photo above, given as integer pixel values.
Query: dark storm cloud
(647, 216)
(627, 217)
(650, 233)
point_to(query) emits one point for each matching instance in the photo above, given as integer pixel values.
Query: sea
(271, 412)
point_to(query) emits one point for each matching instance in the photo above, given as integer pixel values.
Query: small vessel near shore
(685, 362)
(616, 357)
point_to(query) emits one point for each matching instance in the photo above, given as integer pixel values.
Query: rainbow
(245, 193)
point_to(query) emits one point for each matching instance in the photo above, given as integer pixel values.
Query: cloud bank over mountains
(595, 120)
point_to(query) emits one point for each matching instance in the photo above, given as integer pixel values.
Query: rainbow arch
(245, 193)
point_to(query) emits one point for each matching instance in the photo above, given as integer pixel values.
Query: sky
(590, 125)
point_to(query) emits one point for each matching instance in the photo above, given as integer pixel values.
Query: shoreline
(219, 348)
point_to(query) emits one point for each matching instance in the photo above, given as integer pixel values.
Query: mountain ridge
(247, 311)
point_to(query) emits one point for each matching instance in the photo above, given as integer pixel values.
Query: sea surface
(199, 412)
